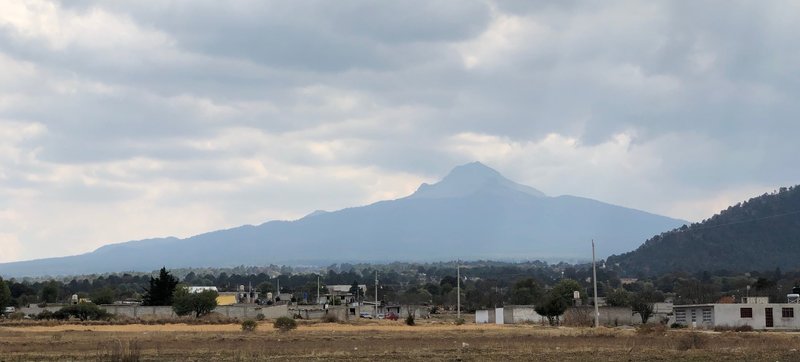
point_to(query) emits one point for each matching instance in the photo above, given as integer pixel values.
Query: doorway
(768, 316)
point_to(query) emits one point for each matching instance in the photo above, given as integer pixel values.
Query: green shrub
(260, 316)
(45, 315)
(16, 316)
(199, 304)
(82, 311)
(285, 324)
(677, 325)
(410, 319)
(249, 325)
(460, 321)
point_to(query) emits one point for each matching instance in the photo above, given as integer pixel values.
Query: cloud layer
(127, 120)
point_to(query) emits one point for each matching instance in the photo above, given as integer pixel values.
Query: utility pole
(278, 294)
(317, 289)
(594, 281)
(376, 294)
(458, 287)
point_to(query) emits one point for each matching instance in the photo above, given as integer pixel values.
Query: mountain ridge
(473, 213)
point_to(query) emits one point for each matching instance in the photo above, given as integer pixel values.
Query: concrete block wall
(139, 311)
(34, 309)
(232, 311)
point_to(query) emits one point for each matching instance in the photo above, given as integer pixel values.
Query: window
(707, 315)
(746, 312)
(680, 315)
(787, 313)
(694, 315)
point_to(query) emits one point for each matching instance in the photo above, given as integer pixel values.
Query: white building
(756, 315)
(512, 314)
(200, 289)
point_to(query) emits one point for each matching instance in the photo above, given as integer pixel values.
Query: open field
(385, 340)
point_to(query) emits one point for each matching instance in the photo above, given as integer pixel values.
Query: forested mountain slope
(759, 234)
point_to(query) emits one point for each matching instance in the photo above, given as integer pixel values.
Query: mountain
(473, 213)
(760, 234)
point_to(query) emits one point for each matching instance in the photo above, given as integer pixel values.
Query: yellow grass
(386, 340)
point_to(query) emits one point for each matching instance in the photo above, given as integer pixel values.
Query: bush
(45, 315)
(677, 325)
(83, 311)
(285, 324)
(16, 316)
(330, 318)
(260, 316)
(249, 325)
(103, 296)
(691, 341)
(460, 321)
(410, 319)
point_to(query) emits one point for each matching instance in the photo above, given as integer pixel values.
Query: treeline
(483, 285)
(759, 234)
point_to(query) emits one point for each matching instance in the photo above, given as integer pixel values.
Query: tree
(642, 303)
(103, 296)
(552, 306)
(448, 280)
(161, 289)
(200, 304)
(565, 289)
(415, 295)
(557, 300)
(5, 295)
(525, 292)
(50, 292)
(619, 298)
(266, 287)
(355, 290)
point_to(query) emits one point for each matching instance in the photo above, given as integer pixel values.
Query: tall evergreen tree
(161, 289)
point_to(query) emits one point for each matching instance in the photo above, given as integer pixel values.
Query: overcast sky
(136, 119)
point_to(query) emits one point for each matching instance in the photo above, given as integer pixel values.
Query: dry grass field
(385, 340)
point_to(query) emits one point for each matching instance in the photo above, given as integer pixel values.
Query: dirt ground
(386, 340)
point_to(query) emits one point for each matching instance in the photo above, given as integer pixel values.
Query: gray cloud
(248, 111)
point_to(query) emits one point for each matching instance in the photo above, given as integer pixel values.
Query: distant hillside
(473, 213)
(760, 234)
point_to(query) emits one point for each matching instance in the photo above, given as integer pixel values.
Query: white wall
(481, 316)
(730, 315)
(525, 315)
